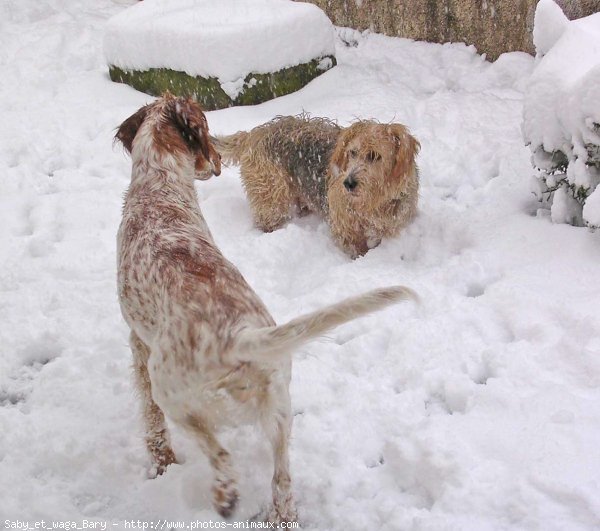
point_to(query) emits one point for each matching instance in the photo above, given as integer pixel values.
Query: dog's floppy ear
(129, 128)
(339, 158)
(187, 116)
(407, 149)
(189, 119)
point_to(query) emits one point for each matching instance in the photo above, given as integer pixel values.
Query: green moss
(257, 87)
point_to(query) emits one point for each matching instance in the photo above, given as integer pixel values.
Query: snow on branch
(561, 115)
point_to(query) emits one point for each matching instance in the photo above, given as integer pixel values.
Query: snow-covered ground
(479, 410)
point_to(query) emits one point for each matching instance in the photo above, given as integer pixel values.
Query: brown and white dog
(206, 351)
(363, 178)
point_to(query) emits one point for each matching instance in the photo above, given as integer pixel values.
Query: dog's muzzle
(215, 168)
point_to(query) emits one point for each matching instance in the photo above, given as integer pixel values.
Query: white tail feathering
(269, 342)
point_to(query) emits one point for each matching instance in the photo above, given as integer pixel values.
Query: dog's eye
(353, 153)
(373, 156)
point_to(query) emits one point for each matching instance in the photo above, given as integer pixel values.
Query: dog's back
(300, 145)
(170, 269)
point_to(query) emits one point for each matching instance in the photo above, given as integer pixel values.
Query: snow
(193, 36)
(562, 105)
(478, 410)
(591, 209)
(564, 91)
(549, 24)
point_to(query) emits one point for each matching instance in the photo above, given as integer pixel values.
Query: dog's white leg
(277, 428)
(157, 434)
(225, 494)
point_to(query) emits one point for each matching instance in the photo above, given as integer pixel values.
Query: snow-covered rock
(561, 116)
(228, 44)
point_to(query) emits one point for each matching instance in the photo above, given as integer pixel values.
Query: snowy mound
(562, 114)
(228, 41)
(550, 23)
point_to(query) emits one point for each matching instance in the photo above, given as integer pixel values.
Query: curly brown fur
(363, 178)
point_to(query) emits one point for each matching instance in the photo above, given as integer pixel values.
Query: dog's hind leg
(270, 196)
(225, 494)
(157, 434)
(277, 427)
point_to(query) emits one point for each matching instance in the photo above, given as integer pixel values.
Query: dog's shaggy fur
(363, 179)
(206, 351)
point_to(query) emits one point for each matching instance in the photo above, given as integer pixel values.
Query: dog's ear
(129, 128)
(407, 149)
(189, 119)
(339, 158)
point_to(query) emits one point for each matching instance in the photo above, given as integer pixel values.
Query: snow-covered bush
(561, 117)
(225, 52)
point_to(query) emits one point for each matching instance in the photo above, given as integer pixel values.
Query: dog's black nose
(350, 182)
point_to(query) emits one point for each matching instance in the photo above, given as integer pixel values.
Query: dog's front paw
(225, 497)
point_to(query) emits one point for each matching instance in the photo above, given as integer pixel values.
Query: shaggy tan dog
(363, 179)
(206, 351)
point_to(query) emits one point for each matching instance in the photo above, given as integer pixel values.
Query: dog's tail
(230, 147)
(271, 342)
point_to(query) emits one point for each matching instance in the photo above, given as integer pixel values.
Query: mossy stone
(257, 87)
